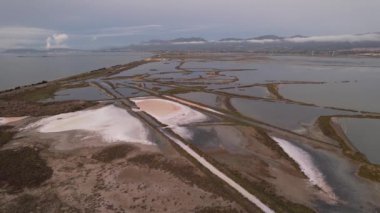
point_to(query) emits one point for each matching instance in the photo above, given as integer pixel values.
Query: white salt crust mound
(112, 123)
(306, 164)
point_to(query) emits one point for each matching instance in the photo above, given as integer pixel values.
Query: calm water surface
(16, 71)
(364, 134)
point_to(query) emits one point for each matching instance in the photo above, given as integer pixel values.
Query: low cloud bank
(337, 38)
(370, 37)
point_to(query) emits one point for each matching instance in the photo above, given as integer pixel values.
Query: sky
(93, 24)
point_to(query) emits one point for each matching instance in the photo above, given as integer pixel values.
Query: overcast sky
(104, 23)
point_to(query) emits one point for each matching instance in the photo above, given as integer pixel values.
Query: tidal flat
(196, 132)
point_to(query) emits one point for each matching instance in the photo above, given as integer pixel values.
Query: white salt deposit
(306, 164)
(6, 120)
(171, 113)
(110, 122)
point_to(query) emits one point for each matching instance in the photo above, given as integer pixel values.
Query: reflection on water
(84, 93)
(361, 95)
(287, 116)
(205, 98)
(130, 92)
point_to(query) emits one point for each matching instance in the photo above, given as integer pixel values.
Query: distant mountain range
(368, 42)
(194, 40)
(265, 43)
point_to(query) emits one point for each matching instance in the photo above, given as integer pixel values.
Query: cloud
(30, 37)
(56, 40)
(119, 31)
(375, 37)
(20, 37)
(33, 37)
(195, 28)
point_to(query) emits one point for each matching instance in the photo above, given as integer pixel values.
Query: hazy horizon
(97, 24)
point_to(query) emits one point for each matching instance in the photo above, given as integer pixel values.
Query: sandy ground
(104, 178)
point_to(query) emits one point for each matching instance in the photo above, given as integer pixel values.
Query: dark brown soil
(22, 168)
(25, 108)
(185, 172)
(266, 193)
(216, 209)
(6, 134)
(109, 154)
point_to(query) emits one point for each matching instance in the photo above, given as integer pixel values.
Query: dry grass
(6, 134)
(24, 108)
(181, 170)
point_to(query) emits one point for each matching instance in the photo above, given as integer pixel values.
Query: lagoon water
(18, 70)
(349, 83)
(364, 134)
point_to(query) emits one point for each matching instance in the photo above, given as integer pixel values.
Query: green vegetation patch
(22, 168)
(273, 89)
(369, 171)
(34, 93)
(109, 154)
(327, 129)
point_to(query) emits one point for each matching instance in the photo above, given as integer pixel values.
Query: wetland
(217, 132)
